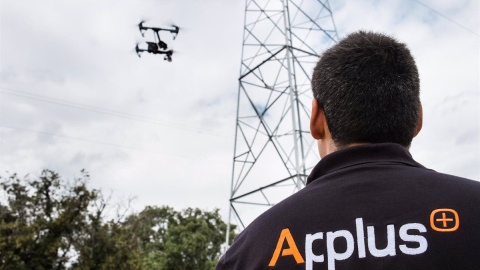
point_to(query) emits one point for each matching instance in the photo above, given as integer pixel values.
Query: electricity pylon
(273, 152)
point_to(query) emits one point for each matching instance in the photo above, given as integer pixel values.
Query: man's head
(367, 88)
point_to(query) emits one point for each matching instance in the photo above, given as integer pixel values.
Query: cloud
(163, 132)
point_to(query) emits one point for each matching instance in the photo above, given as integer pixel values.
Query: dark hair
(369, 89)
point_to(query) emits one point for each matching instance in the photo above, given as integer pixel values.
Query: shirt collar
(360, 154)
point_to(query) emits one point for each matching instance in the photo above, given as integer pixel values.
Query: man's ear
(420, 121)
(317, 121)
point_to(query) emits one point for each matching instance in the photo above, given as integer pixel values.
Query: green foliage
(38, 225)
(47, 224)
(190, 239)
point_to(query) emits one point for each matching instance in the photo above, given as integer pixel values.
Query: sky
(74, 95)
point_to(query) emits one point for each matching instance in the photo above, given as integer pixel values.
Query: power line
(447, 18)
(105, 111)
(100, 142)
(109, 112)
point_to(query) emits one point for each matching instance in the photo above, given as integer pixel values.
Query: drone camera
(162, 45)
(152, 47)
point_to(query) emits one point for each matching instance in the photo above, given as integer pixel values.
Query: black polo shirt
(367, 207)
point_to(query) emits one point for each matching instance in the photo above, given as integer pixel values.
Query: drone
(157, 47)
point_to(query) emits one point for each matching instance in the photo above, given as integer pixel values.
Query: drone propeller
(175, 31)
(141, 28)
(169, 54)
(137, 50)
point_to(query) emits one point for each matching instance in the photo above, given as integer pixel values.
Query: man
(367, 204)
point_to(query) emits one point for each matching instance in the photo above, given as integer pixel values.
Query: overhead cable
(447, 18)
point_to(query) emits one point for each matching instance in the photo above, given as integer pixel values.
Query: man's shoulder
(450, 183)
(422, 200)
(259, 239)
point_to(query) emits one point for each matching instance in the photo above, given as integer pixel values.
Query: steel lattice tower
(274, 152)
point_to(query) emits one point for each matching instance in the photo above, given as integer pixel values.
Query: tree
(48, 224)
(38, 225)
(190, 239)
(107, 245)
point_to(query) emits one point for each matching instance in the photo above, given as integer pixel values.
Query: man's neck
(327, 147)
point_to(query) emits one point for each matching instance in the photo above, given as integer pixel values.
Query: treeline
(46, 223)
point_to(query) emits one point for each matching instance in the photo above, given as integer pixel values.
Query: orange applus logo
(412, 238)
(292, 250)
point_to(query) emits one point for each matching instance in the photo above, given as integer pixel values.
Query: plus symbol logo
(444, 220)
